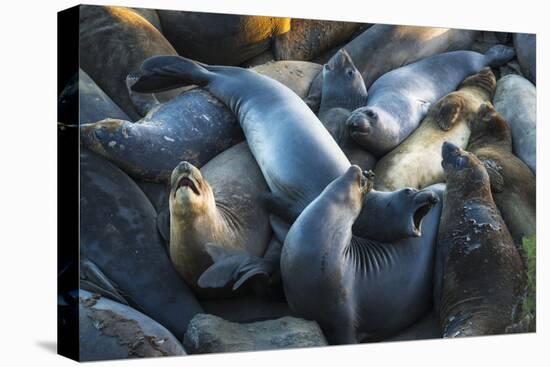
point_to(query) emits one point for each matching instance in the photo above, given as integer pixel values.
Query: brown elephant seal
(480, 278)
(512, 182)
(416, 162)
(114, 41)
(309, 38)
(384, 47)
(223, 39)
(110, 330)
(343, 91)
(356, 288)
(216, 209)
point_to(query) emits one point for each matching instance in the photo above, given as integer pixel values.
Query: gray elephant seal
(82, 97)
(118, 235)
(512, 182)
(383, 47)
(516, 100)
(355, 288)
(309, 38)
(400, 99)
(110, 330)
(217, 205)
(343, 91)
(526, 49)
(113, 42)
(416, 162)
(193, 126)
(480, 279)
(225, 39)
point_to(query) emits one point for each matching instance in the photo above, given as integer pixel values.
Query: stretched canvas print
(240, 182)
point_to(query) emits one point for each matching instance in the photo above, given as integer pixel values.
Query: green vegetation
(530, 252)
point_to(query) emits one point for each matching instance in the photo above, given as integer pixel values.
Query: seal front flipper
(143, 102)
(499, 55)
(236, 266)
(94, 280)
(493, 169)
(280, 207)
(162, 73)
(449, 112)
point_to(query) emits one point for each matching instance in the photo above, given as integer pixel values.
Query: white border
(28, 153)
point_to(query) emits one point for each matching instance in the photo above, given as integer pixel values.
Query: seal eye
(460, 162)
(349, 72)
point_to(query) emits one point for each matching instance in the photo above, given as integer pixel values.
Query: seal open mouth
(427, 202)
(187, 182)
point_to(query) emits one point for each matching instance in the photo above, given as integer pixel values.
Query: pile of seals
(384, 193)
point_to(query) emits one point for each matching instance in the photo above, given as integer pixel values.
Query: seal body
(296, 75)
(512, 183)
(84, 98)
(355, 288)
(110, 330)
(483, 278)
(194, 126)
(416, 162)
(309, 38)
(343, 91)
(516, 100)
(118, 234)
(218, 205)
(526, 49)
(383, 47)
(225, 39)
(113, 42)
(400, 99)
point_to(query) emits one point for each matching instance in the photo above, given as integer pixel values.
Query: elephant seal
(309, 38)
(118, 234)
(110, 330)
(416, 162)
(217, 208)
(383, 47)
(149, 15)
(512, 182)
(193, 126)
(516, 100)
(479, 278)
(347, 283)
(82, 97)
(343, 91)
(113, 42)
(296, 154)
(224, 39)
(526, 50)
(400, 99)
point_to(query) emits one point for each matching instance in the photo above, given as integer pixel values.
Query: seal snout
(186, 178)
(361, 122)
(425, 201)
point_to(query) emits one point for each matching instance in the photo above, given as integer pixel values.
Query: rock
(211, 334)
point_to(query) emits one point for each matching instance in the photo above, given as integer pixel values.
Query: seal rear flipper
(225, 268)
(499, 55)
(162, 73)
(94, 280)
